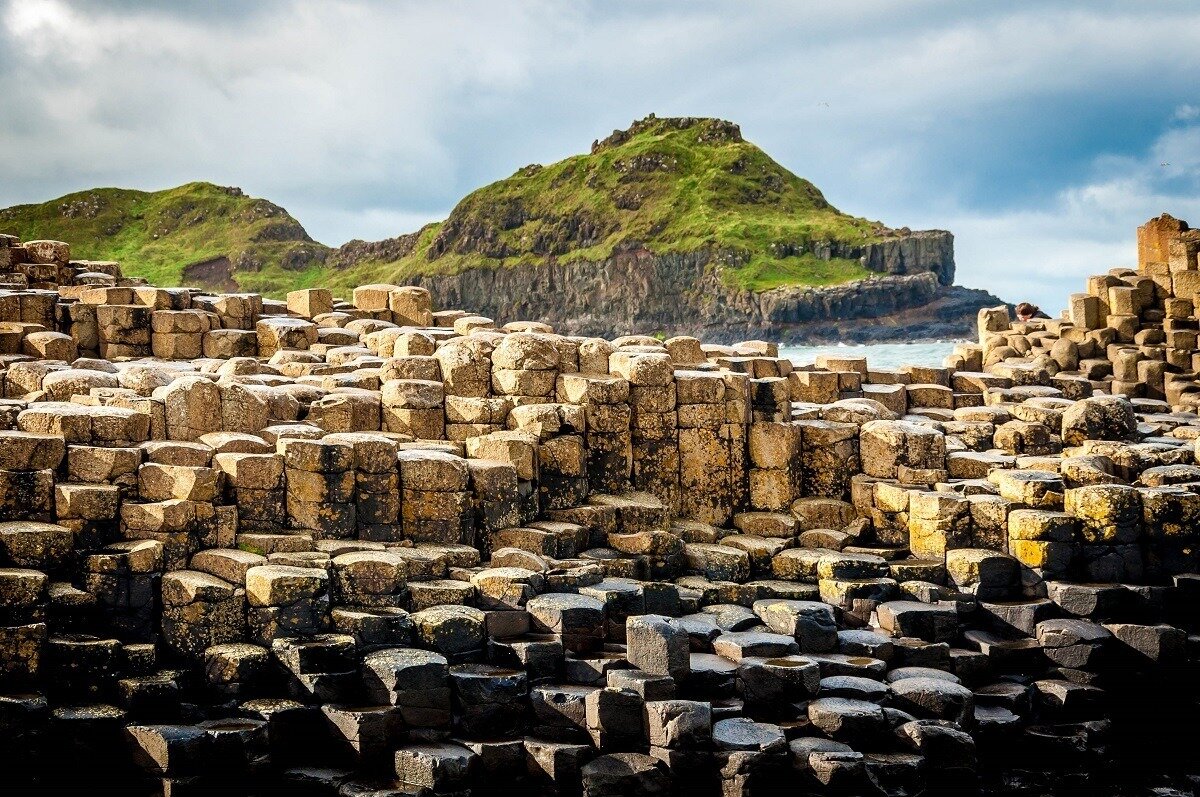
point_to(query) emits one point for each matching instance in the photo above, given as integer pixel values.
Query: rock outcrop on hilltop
(368, 548)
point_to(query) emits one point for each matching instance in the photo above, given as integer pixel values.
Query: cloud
(1187, 112)
(1044, 254)
(318, 100)
(1034, 130)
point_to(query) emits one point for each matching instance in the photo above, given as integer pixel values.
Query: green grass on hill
(664, 185)
(669, 185)
(156, 235)
(763, 273)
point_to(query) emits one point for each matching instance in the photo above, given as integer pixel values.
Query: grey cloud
(221, 12)
(358, 115)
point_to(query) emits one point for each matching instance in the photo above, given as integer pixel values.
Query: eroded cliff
(637, 291)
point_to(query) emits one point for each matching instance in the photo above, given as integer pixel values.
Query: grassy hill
(197, 233)
(669, 185)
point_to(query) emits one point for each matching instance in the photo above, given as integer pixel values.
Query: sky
(1040, 133)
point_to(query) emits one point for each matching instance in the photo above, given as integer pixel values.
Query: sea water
(879, 355)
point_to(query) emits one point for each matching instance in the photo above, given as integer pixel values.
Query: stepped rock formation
(351, 548)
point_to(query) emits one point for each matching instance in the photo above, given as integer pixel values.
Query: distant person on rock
(1028, 312)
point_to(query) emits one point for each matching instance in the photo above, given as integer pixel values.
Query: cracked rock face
(637, 291)
(365, 548)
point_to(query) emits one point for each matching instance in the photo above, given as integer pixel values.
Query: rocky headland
(672, 226)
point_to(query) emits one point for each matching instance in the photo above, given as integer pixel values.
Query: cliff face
(907, 252)
(636, 291)
(913, 253)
